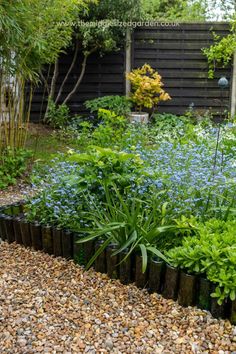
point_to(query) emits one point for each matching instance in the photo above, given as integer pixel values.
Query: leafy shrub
(220, 54)
(77, 132)
(57, 116)
(120, 105)
(110, 130)
(147, 87)
(211, 252)
(13, 164)
(168, 121)
(63, 189)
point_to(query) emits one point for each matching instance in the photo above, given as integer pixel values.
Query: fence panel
(176, 52)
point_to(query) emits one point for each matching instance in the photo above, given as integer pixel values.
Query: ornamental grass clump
(147, 88)
(130, 224)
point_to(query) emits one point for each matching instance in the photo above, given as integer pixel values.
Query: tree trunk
(68, 72)
(52, 86)
(80, 78)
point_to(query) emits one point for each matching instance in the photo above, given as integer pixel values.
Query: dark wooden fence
(104, 76)
(176, 52)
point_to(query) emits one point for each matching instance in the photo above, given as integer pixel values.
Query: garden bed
(159, 277)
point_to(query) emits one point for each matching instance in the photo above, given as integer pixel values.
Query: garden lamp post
(222, 83)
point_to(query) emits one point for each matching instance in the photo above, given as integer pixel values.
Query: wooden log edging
(187, 289)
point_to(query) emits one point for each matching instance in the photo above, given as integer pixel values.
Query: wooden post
(128, 58)
(233, 88)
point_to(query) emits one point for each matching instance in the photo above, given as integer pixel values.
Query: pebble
(50, 305)
(22, 342)
(109, 343)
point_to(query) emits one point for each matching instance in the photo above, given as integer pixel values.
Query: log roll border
(162, 278)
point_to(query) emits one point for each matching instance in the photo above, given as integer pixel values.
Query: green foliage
(13, 164)
(211, 252)
(172, 10)
(112, 165)
(64, 186)
(220, 54)
(130, 224)
(116, 131)
(83, 134)
(107, 133)
(57, 116)
(120, 105)
(169, 122)
(31, 29)
(107, 37)
(110, 130)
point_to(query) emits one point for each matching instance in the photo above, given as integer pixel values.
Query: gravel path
(50, 305)
(15, 193)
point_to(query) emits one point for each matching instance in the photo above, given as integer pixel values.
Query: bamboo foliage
(14, 112)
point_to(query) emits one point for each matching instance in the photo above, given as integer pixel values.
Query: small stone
(109, 343)
(22, 342)
(81, 345)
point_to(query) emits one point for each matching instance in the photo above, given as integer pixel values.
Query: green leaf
(103, 231)
(130, 240)
(144, 257)
(157, 253)
(98, 252)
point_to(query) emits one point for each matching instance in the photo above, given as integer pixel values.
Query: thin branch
(68, 72)
(54, 79)
(52, 86)
(44, 81)
(80, 78)
(45, 91)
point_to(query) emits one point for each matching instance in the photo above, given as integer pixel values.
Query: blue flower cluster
(194, 178)
(191, 177)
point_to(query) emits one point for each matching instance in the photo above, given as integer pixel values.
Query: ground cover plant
(13, 164)
(145, 188)
(211, 252)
